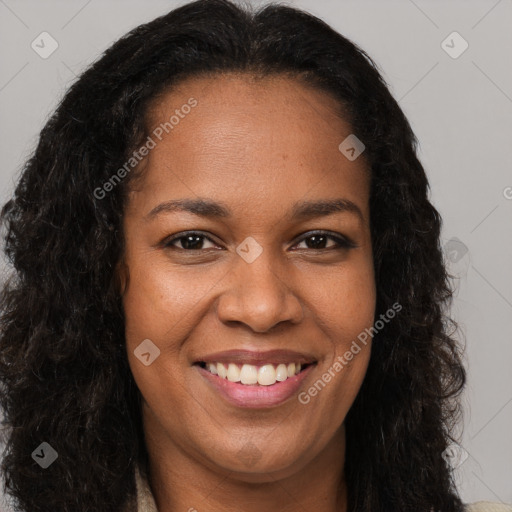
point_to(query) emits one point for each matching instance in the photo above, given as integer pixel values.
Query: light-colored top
(146, 501)
(488, 506)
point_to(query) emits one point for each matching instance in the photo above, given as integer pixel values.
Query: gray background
(460, 110)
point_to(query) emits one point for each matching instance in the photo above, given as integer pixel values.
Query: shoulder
(487, 506)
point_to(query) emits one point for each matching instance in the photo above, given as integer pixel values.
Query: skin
(258, 146)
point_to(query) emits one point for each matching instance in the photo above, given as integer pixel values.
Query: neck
(179, 481)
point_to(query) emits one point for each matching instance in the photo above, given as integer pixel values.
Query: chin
(252, 466)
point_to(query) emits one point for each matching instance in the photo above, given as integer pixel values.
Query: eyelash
(341, 241)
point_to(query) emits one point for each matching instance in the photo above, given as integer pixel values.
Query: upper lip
(257, 358)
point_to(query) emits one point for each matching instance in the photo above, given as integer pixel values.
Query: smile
(255, 379)
(253, 375)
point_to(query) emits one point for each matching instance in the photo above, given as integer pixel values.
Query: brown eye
(191, 241)
(319, 241)
(195, 241)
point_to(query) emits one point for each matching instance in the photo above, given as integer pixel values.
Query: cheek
(344, 307)
(344, 302)
(162, 300)
(161, 304)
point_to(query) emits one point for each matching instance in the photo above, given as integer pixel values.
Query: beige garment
(487, 506)
(146, 502)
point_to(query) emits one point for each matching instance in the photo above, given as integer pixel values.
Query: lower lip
(256, 396)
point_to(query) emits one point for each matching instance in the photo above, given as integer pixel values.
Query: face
(248, 253)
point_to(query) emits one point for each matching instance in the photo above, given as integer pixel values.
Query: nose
(259, 296)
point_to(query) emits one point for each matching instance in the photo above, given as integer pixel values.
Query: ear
(121, 277)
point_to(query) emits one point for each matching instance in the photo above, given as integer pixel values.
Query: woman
(229, 288)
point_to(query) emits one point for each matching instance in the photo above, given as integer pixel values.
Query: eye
(317, 241)
(190, 241)
(195, 241)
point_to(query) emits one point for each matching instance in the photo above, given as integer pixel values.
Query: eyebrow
(301, 210)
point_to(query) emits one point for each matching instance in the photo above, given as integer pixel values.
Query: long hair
(64, 374)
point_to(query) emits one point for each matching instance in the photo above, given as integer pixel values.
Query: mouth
(252, 375)
(255, 379)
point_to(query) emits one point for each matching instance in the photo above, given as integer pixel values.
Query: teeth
(267, 375)
(233, 373)
(221, 370)
(281, 372)
(249, 374)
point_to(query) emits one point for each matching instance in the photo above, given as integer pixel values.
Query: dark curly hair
(64, 372)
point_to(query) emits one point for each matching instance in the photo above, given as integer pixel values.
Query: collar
(145, 498)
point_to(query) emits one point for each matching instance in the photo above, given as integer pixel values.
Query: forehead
(254, 98)
(274, 137)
